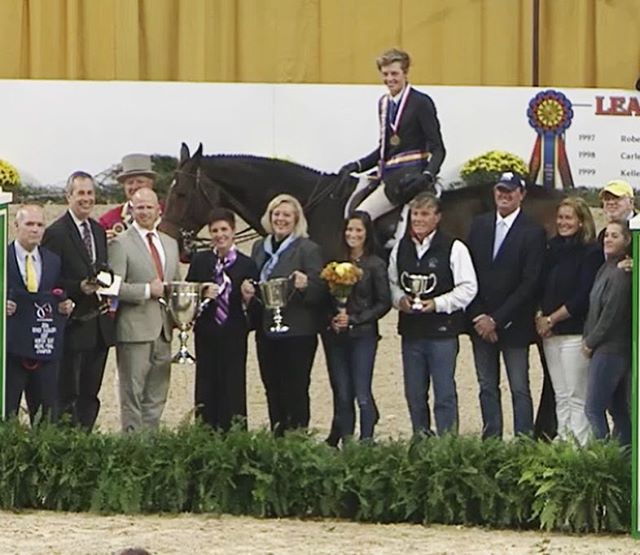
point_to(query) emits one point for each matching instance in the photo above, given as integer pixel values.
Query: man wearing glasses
(617, 202)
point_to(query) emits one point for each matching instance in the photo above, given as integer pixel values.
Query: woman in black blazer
(351, 337)
(222, 327)
(286, 359)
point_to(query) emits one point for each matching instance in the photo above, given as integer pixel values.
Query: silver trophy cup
(182, 300)
(275, 297)
(417, 285)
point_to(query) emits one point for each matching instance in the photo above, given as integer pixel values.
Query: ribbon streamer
(550, 113)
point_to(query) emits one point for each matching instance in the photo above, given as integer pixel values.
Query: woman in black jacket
(222, 327)
(351, 338)
(572, 260)
(286, 358)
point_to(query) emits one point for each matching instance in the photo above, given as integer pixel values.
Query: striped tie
(222, 300)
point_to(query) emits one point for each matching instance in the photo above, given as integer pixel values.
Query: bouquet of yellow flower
(9, 176)
(341, 277)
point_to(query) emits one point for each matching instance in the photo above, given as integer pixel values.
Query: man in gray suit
(144, 258)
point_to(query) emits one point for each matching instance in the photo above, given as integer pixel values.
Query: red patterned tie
(155, 255)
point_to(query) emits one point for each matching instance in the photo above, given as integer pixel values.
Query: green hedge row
(452, 480)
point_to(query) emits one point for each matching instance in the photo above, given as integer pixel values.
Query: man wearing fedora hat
(136, 173)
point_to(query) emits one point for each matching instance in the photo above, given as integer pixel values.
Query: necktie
(30, 271)
(393, 110)
(501, 233)
(86, 239)
(155, 255)
(222, 300)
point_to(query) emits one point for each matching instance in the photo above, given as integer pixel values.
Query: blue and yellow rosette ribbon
(550, 113)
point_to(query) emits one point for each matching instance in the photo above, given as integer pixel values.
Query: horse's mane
(262, 162)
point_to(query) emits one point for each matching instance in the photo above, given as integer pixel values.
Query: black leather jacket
(370, 298)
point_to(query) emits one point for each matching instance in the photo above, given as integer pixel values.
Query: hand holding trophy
(417, 285)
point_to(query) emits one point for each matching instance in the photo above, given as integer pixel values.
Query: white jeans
(568, 367)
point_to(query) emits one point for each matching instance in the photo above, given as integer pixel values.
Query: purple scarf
(222, 279)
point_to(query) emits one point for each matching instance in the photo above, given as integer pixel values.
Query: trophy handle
(256, 286)
(293, 289)
(162, 300)
(403, 275)
(432, 281)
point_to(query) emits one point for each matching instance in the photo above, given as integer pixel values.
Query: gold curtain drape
(452, 42)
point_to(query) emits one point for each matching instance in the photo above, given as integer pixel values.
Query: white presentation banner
(579, 137)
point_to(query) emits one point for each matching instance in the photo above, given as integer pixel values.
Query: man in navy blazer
(507, 248)
(31, 270)
(81, 244)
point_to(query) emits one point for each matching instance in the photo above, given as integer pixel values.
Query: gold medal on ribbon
(118, 228)
(394, 139)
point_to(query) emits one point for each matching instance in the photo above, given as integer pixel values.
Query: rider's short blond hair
(394, 55)
(300, 228)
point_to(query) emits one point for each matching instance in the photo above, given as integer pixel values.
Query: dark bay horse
(245, 184)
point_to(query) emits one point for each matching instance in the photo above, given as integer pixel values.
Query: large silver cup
(275, 296)
(417, 285)
(182, 300)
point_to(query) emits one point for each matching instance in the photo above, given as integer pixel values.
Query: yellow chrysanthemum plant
(486, 168)
(9, 176)
(341, 277)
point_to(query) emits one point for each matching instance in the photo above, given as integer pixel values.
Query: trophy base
(279, 329)
(183, 358)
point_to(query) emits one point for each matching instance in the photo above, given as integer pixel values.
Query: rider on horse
(410, 150)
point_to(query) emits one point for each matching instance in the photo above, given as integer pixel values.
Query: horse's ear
(184, 153)
(198, 153)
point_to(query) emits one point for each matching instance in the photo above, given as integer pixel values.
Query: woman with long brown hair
(351, 336)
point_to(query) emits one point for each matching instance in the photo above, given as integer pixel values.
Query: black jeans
(285, 369)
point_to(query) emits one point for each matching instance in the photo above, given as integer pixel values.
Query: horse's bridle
(318, 194)
(200, 178)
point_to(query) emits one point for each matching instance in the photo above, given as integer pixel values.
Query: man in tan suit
(144, 258)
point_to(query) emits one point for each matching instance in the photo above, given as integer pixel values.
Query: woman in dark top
(351, 337)
(607, 339)
(222, 327)
(572, 260)
(286, 359)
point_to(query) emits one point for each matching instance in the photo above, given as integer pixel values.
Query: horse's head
(188, 204)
